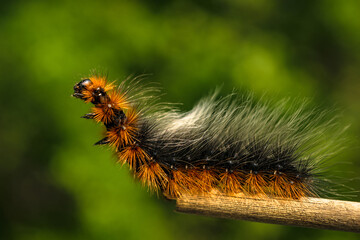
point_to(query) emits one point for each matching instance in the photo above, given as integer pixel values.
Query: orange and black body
(223, 144)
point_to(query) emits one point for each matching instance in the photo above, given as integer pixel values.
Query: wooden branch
(308, 212)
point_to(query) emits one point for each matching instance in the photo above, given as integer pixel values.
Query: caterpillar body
(230, 145)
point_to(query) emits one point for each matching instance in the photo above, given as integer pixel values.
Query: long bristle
(133, 155)
(153, 176)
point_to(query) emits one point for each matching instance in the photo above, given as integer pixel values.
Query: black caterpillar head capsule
(80, 87)
(92, 90)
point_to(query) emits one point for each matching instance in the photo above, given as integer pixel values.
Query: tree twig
(308, 212)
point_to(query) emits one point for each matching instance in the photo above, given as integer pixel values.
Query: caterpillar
(232, 145)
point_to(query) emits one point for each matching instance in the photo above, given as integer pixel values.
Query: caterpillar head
(81, 87)
(92, 90)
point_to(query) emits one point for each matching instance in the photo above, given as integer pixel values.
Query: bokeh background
(56, 185)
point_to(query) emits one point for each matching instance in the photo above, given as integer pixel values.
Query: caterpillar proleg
(231, 145)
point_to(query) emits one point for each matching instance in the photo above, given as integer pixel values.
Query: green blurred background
(56, 185)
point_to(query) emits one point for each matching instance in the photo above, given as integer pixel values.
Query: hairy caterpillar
(232, 145)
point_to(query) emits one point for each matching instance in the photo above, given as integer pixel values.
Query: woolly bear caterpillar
(229, 144)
